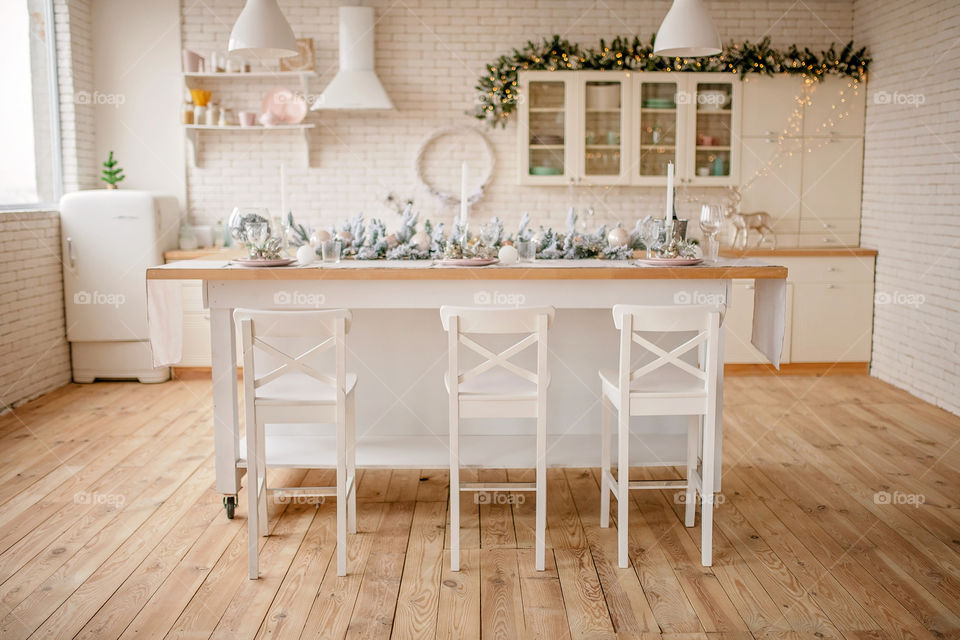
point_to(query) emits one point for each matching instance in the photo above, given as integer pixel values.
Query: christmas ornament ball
(508, 255)
(319, 236)
(421, 241)
(392, 241)
(618, 237)
(345, 236)
(306, 254)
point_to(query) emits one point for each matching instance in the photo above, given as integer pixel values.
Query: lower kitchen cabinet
(832, 322)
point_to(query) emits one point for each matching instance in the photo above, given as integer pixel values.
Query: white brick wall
(75, 71)
(429, 54)
(34, 356)
(911, 187)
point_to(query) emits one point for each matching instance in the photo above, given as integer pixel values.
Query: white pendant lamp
(687, 32)
(261, 31)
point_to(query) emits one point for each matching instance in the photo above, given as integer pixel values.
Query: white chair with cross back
(666, 383)
(497, 387)
(282, 388)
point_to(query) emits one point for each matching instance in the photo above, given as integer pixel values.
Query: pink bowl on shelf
(284, 107)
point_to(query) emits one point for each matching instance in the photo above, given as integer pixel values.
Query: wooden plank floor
(839, 518)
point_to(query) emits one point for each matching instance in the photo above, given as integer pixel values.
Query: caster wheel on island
(230, 504)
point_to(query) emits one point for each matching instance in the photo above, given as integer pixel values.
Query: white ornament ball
(345, 236)
(421, 241)
(306, 254)
(319, 236)
(508, 255)
(618, 237)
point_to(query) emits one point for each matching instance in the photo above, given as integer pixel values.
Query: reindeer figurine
(744, 222)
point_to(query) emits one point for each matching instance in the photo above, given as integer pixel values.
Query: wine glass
(711, 219)
(650, 234)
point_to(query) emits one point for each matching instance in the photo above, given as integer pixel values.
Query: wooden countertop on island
(406, 270)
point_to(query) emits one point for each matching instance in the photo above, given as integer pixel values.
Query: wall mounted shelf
(192, 80)
(195, 80)
(193, 135)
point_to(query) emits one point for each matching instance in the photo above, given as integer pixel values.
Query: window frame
(56, 142)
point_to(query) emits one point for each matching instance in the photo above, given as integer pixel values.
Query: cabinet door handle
(827, 225)
(750, 287)
(831, 286)
(832, 269)
(828, 239)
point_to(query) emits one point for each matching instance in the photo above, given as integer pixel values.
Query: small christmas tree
(112, 174)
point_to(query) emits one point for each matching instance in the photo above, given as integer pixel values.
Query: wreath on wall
(499, 93)
(449, 199)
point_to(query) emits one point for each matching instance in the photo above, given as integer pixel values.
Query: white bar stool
(656, 389)
(293, 391)
(497, 388)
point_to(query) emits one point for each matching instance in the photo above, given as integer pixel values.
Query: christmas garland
(499, 92)
(369, 240)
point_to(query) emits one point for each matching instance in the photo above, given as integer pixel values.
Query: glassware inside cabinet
(714, 129)
(547, 121)
(658, 127)
(602, 133)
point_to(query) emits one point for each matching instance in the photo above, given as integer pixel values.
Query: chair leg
(604, 462)
(351, 465)
(341, 494)
(623, 485)
(541, 519)
(262, 503)
(707, 480)
(454, 485)
(693, 453)
(253, 510)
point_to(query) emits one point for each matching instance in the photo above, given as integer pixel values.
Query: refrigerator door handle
(70, 252)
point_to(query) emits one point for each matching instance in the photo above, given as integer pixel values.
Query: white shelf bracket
(193, 146)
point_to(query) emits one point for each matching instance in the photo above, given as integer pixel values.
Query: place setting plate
(468, 262)
(259, 262)
(668, 262)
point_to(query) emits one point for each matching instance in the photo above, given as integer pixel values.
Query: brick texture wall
(75, 72)
(429, 54)
(910, 191)
(34, 356)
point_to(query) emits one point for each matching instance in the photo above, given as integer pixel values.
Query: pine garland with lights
(499, 91)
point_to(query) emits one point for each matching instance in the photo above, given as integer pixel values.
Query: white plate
(468, 262)
(669, 262)
(259, 262)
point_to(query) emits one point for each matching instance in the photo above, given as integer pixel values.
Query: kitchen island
(398, 350)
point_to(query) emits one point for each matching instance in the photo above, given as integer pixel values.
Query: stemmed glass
(650, 234)
(711, 219)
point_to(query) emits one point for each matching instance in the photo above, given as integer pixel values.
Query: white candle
(464, 207)
(283, 191)
(669, 213)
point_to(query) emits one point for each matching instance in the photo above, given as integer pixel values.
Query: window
(30, 168)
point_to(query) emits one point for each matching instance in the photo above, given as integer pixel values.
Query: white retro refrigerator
(109, 239)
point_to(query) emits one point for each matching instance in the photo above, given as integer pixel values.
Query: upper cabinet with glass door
(658, 127)
(547, 127)
(618, 127)
(603, 127)
(712, 137)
